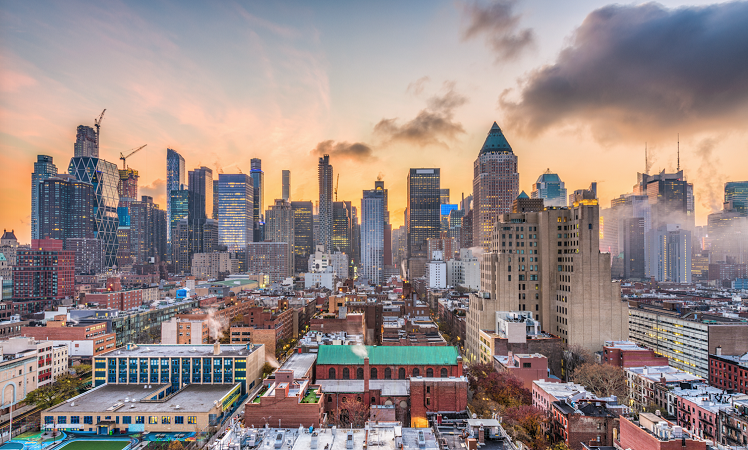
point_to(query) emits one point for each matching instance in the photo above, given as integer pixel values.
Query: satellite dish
(475, 416)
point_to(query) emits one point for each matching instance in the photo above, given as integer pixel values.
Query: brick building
(653, 432)
(184, 331)
(389, 376)
(83, 340)
(649, 386)
(121, 300)
(587, 421)
(733, 423)
(526, 367)
(297, 402)
(42, 275)
(729, 372)
(628, 354)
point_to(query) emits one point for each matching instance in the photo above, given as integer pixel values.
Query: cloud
(632, 71)
(356, 151)
(432, 125)
(157, 190)
(500, 25)
(417, 86)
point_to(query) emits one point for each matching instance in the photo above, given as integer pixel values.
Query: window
(387, 373)
(416, 372)
(62, 419)
(526, 365)
(373, 374)
(192, 420)
(360, 373)
(88, 419)
(401, 373)
(331, 373)
(139, 419)
(165, 419)
(346, 373)
(75, 419)
(179, 420)
(329, 398)
(49, 419)
(443, 373)
(153, 420)
(429, 373)
(126, 420)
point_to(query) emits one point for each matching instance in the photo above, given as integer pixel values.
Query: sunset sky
(578, 87)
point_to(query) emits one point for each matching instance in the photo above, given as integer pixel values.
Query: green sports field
(96, 445)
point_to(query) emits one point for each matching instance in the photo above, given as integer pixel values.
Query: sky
(577, 87)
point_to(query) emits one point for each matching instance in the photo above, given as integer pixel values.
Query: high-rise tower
(201, 186)
(324, 172)
(258, 203)
(423, 219)
(372, 235)
(86, 142)
(286, 180)
(550, 188)
(303, 234)
(495, 185)
(235, 211)
(175, 180)
(279, 227)
(43, 169)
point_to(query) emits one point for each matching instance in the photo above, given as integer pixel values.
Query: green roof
(417, 355)
(495, 141)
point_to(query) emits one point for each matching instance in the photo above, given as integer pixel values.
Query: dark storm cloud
(431, 125)
(356, 151)
(632, 70)
(500, 25)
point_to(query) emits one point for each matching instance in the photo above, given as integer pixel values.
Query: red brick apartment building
(655, 433)
(729, 372)
(389, 376)
(526, 367)
(625, 354)
(295, 402)
(75, 335)
(587, 421)
(42, 274)
(121, 300)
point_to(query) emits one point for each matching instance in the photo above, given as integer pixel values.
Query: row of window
(374, 373)
(126, 420)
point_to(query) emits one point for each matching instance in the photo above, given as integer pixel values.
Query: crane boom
(97, 123)
(124, 157)
(337, 182)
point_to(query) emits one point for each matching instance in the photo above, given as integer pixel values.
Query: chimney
(216, 348)
(718, 350)
(366, 376)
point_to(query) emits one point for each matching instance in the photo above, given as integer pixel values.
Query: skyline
(288, 84)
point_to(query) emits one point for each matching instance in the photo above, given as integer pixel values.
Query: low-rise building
(121, 300)
(648, 386)
(297, 402)
(628, 354)
(185, 331)
(546, 392)
(587, 421)
(652, 432)
(19, 373)
(729, 371)
(207, 266)
(526, 367)
(733, 423)
(697, 409)
(52, 358)
(83, 340)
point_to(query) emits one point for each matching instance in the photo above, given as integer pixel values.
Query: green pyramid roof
(495, 141)
(523, 195)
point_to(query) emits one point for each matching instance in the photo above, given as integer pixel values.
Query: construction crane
(97, 123)
(124, 158)
(337, 182)
(220, 170)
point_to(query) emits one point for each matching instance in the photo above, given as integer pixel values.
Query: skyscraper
(258, 203)
(444, 196)
(548, 263)
(324, 174)
(235, 211)
(423, 216)
(104, 176)
(550, 188)
(736, 196)
(86, 142)
(669, 258)
(175, 180)
(128, 187)
(670, 196)
(66, 207)
(286, 181)
(200, 182)
(147, 231)
(495, 185)
(180, 202)
(342, 228)
(43, 169)
(372, 235)
(379, 185)
(279, 223)
(303, 234)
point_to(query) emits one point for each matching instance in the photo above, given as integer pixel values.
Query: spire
(495, 141)
(678, 168)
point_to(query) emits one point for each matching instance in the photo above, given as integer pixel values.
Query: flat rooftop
(300, 363)
(183, 350)
(197, 398)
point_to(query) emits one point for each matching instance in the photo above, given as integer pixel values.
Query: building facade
(258, 202)
(325, 179)
(43, 169)
(372, 236)
(303, 234)
(550, 188)
(175, 180)
(423, 216)
(269, 258)
(279, 223)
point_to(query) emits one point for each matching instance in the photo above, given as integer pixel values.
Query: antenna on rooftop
(678, 169)
(646, 159)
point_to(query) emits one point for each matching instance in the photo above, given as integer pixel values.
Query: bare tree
(575, 356)
(602, 380)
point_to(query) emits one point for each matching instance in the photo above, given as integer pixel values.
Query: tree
(526, 424)
(603, 380)
(176, 445)
(80, 369)
(44, 397)
(353, 412)
(267, 369)
(575, 356)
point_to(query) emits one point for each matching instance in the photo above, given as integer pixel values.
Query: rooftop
(380, 355)
(198, 398)
(160, 350)
(300, 363)
(657, 373)
(495, 141)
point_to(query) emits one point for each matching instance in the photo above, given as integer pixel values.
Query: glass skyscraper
(424, 210)
(235, 211)
(303, 234)
(175, 176)
(372, 235)
(258, 203)
(324, 174)
(736, 195)
(66, 207)
(43, 169)
(200, 183)
(550, 188)
(104, 176)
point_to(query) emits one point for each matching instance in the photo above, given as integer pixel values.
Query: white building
(465, 271)
(319, 261)
(319, 280)
(437, 271)
(206, 266)
(52, 358)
